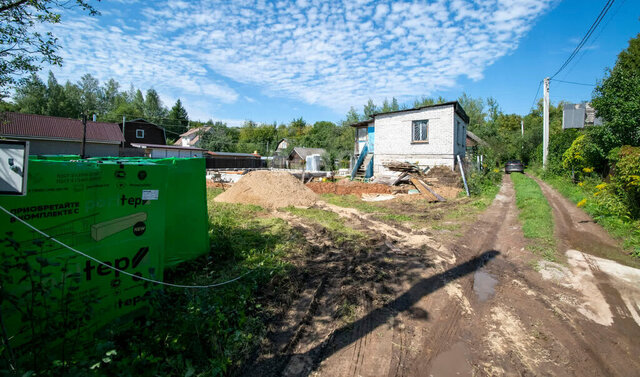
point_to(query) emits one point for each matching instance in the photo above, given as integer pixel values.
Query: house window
(140, 134)
(420, 131)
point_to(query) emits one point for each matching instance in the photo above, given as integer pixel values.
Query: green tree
(90, 94)
(617, 98)
(23, 45)
(31, 96)
(153, 108)
(369, 109)
(179, 114)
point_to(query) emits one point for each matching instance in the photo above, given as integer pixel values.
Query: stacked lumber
(416, 177)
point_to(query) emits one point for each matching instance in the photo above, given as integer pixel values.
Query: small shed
(281, 146)
(298, 156)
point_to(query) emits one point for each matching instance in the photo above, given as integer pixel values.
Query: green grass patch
(330, 220)
(602, 207)
(535, 215)
(353, 201)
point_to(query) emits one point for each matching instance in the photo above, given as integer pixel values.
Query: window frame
(139, 132)
(426, 130)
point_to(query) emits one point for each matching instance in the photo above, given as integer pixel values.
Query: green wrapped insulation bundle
(137, 215)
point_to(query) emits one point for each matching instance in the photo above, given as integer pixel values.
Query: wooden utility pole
(545, 124)
(84, 134)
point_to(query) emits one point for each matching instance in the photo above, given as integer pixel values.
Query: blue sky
(274, 61)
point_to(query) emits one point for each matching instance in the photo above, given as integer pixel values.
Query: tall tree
(31, 96)
(90, 94)
(153, 108)
(369, 109)
(179, 114)
(617, 98)
(23, 45)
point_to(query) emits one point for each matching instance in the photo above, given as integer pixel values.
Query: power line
(586, 37)
(536, 96)
(572, 82)
(594, 40)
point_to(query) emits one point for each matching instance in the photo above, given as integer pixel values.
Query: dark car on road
(514, 166)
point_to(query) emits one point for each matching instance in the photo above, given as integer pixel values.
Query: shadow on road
(343, 337)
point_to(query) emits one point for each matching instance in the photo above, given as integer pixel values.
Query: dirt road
(405, 304)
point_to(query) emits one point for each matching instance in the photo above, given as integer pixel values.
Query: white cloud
(335, 54)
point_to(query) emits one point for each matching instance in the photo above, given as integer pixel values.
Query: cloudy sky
(276, 60)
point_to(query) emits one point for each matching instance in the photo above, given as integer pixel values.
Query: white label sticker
(150, 194)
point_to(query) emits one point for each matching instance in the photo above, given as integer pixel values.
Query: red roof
(55, 128)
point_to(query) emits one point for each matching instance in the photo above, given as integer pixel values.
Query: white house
(426, 136)
(191, 138)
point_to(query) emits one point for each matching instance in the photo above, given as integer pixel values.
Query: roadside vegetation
(535, 215)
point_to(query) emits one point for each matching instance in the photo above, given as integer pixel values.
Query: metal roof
(456, 106)
(304, 152)
(232, 154)
(56, 128)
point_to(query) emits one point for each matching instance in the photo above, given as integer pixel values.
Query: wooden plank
(422, 189)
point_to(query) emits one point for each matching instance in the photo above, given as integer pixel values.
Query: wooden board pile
(416, 176)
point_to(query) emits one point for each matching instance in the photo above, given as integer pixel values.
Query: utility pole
(522, 127)
(84, 134)
(545, 124)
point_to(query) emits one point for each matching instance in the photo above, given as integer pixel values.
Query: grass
(535, 215)
(623, 229)
(330, 220)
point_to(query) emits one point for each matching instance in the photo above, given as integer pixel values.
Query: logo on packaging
(142, 175)
(132, 201)
(120, 174)
(123, 264)
(139, 228)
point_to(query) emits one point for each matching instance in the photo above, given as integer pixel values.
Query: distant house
(427, 136)
(191, 138)
(579, 116)
(140, 131)
(298, 156)
(54, 135)
(281, 147)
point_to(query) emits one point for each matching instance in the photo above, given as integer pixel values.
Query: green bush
(625, 178)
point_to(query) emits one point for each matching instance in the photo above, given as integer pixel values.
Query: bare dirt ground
(406, 302)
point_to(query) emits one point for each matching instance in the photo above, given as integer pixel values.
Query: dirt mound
(269, 189)
(346, 187)
(444, 176)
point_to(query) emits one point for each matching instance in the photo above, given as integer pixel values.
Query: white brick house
(427, 136)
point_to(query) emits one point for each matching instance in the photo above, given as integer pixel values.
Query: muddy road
(407, 303)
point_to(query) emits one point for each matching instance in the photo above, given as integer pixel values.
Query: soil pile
(346, 187)
(269, 189)
(444, 176)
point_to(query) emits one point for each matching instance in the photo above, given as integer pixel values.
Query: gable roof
(195, 129)
(456, 107)
(476, 138)
(55, 128)
(141, 120)
(304, 152)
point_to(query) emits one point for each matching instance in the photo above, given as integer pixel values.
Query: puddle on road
(452, 363)
(484, 284)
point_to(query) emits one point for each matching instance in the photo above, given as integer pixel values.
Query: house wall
(394, 133)
(152, 134)
(42, 147)
(166, 153)
(460, 127)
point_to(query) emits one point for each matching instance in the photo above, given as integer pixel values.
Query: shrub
(583, 156)
(625, 180)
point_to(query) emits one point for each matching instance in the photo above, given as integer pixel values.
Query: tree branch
(12, 5)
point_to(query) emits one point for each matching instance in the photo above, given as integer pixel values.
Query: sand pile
(269, 189)
(444, 176)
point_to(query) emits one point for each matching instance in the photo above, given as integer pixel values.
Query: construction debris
(269, 189)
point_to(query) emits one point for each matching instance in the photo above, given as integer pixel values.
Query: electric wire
(536, 96)
(117, 269)
(586, 37)
(572, 82)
